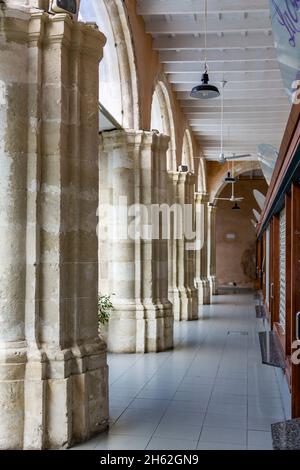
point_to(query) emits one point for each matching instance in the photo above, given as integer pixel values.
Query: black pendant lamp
(229, 178)
(205, 91)
(236, 207)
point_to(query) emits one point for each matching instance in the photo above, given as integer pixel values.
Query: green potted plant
(105, 307)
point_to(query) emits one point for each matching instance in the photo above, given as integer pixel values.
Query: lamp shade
(205, 91)
(229, 178)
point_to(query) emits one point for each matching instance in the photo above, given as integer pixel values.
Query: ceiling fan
(256, 215)
(232, 198)
(267, 156)
(260, 198)
(222, 158)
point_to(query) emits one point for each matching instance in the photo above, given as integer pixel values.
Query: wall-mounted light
(183, 168)
(64, 6)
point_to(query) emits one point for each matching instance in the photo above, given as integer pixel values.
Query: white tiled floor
(210, 392)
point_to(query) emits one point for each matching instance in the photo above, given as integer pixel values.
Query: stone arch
(201, 177)
(241, 167)
(118, 77)
(162, 119)
(188, 151)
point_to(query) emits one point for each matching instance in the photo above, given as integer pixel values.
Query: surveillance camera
(65, 6)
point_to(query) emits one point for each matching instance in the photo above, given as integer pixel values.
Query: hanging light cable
(205, 91)
(230, 177)
(222, 158)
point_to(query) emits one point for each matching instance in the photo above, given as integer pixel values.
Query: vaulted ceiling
(241, 51)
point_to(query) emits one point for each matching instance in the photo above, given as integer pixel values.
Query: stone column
(175, 209)
(190, 245)
(201, 280)
(133, 264)
(13, 187)
(182, 292)
(53, 371)
(212, 269)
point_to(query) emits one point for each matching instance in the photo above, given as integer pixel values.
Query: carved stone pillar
(53, 371)
(201, 280)
(182, 292)
(190, 244)
(133, 261)
(212, 268)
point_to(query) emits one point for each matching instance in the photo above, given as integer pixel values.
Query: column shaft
(212, 270)
(13, 186)
(134, 264)
(182, 292)
(201, 280)
(49, 79)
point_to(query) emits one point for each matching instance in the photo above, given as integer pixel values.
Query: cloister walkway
(210, 392)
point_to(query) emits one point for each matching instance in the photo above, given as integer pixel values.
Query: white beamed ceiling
(240, 50)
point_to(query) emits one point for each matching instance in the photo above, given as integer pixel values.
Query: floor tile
(176, 418)
(212, 390)
(189, 406)
(233, 388)
(266, 410)
(115, 413)
(224, 435)
(143, 414)
(229, 398)
(88, 445)
(157, 394)
(219, 446)
(261, 423)
(134, 427)
(115, 442)
(123, 393)
(260, 440)
(225, 420)
(195, 388)
(234, 409)
(149, 404)
(192, 396)
(158, 443)
(184, 431)
(120, 402)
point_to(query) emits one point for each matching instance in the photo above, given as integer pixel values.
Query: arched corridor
(210, 392)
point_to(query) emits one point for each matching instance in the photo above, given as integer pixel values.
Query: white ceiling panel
(240, 50)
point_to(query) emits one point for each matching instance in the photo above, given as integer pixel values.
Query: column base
(52, 399)
(213, 285)
(185, 304)
(204, 291)
(13, 358)
(142, 328)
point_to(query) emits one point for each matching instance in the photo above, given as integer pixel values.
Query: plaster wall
(235, 235)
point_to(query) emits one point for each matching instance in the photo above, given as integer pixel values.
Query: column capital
(41, 4)
(119, 137)
(201, 198)
(179, 176)
(161, 140)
